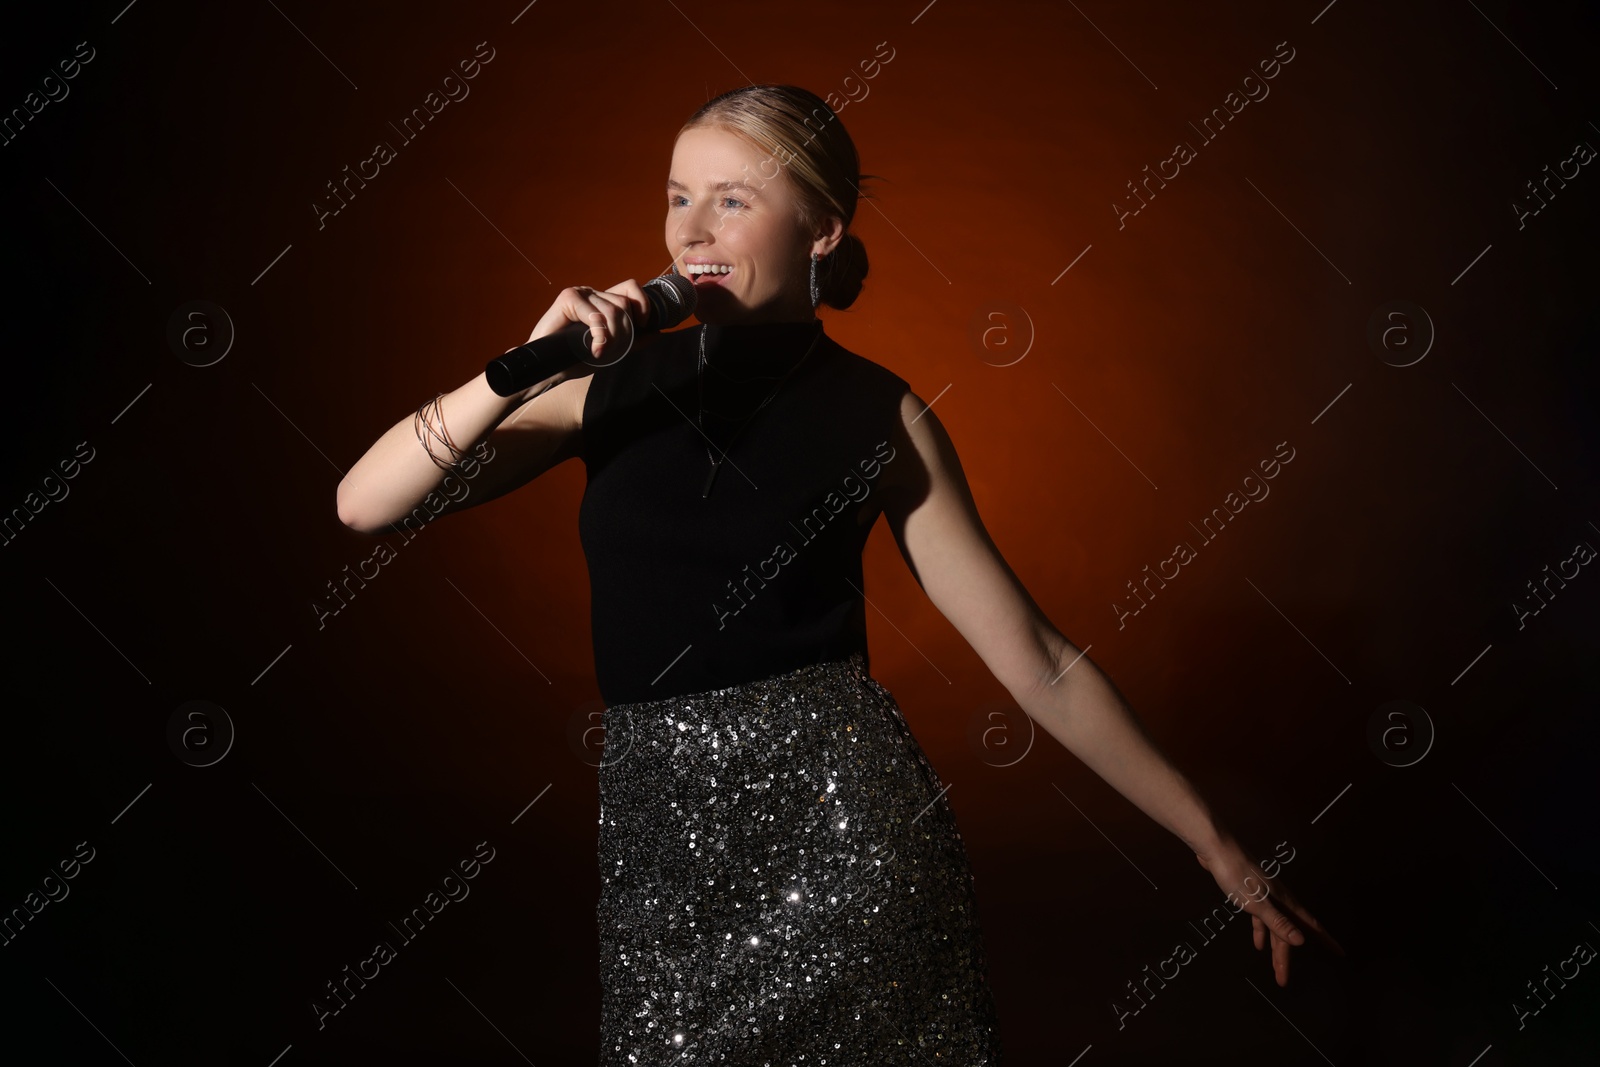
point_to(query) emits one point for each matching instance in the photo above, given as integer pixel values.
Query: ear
(827, 238)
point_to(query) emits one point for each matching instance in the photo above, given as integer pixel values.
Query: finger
(1278, 923)
(1280, 961)
(618, 324)
(633, 294)
(584, 298)
(1258, 933)
(612, 320)
(621, 311)
(577, 304)
(585, 305)
(1305, 919)
(602, 298)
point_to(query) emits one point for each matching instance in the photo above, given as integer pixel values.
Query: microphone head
(672, 299)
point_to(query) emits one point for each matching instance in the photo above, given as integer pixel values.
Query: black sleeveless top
(763, 575)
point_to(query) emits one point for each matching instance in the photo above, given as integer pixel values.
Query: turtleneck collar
(746, 348)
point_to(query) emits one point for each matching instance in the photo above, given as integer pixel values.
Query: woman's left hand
(1275, 915)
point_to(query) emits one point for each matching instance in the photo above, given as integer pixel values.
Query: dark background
(1232, 313)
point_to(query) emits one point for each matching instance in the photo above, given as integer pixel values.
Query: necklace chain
(699, 417)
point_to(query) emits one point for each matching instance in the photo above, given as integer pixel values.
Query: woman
(782, 876)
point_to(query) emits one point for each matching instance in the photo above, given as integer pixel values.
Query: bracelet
(421, 422)
(438, 410)
(441, 433)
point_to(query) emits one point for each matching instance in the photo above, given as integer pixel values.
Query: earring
(816, 293)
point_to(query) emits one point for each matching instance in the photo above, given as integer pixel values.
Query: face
(731, 204)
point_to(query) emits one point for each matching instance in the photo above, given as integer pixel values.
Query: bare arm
(524, 437)
(525, 434)
(930, 510)
(935, 521)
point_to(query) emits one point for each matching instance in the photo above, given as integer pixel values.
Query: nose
(693, 224)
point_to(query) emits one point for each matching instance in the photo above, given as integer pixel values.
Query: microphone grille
(672, 298)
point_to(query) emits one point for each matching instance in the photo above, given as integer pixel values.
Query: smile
(708, 274)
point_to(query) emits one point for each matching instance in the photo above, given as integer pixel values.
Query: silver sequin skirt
(782, 884)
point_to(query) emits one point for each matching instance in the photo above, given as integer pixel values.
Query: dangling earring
(816, 293)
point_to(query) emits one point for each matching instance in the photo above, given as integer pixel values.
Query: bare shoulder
(934, 519)
(923, 456)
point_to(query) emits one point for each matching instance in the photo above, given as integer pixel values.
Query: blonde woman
(782, 877)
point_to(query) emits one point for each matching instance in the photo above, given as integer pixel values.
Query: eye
(677, 200)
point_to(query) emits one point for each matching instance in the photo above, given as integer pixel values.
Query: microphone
(671, 299)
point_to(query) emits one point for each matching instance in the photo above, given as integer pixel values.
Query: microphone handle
(531, 363)
(670, 299)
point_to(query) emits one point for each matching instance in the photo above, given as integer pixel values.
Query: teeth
(709, 268)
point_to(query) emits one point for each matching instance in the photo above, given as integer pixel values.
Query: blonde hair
(805, 139)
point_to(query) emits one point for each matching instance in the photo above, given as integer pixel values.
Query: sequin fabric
(782, 884)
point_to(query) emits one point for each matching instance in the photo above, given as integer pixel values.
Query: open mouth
(702, 277)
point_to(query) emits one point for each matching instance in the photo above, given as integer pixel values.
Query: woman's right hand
(610, 315)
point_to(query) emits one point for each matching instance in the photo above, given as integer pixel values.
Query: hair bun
(845, 268)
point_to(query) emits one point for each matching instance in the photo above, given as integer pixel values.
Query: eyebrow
(673, 183)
